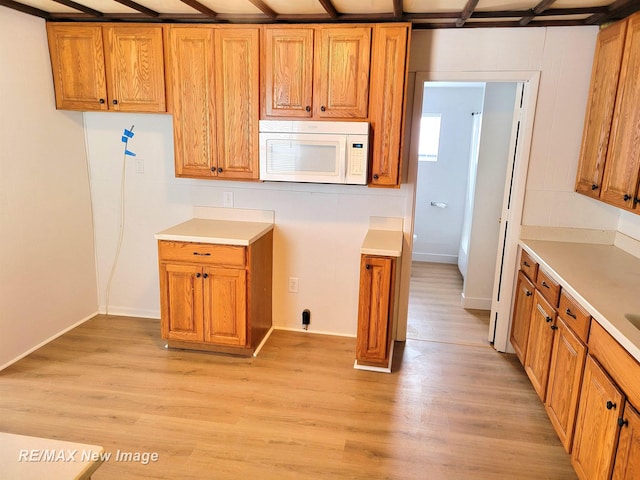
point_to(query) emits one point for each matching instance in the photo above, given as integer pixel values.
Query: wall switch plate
(139, 165)
(227, 199)
(293, 284)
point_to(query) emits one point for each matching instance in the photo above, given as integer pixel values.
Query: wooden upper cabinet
(77, 62)
(601, 402)
(104, 67)
(597, 125)
(342, 72)
(622, 169)
(135, 68)
(387, 106)
(191, 98)
(288, 76)
(237, 102)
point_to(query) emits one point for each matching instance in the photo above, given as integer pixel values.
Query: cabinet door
(620, 184)
(596, 426)
(190, 82)
(602, 96)
(181, 302)
(135, 68)
(342, 64)
(225, 306)
(288, 76)
(388, 75)
(237, 102)
(539, 344)
(375, 310)
(627, 464)
(77, 62)
(565, 377)
(521, 319)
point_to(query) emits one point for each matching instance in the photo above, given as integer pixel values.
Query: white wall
(437, 230)
(318, 234)
(47, 268)
(497, 122)
(629, 224)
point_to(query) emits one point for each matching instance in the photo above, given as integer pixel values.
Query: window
(429, 137)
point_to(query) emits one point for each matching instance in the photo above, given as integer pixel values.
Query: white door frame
(531, 80)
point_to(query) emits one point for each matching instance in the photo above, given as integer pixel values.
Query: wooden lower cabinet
(565, 378)
(375, 310)
(597, 426)
(521, 318)
(540, 343)
(211, 299)
(627, 463)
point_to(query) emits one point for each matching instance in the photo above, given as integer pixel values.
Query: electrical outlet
(293, 284)
(139, 165)
(227, 199)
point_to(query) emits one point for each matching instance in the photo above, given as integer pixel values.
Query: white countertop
(604, 279)
(24, 458)
(221, 232)
(387, 243)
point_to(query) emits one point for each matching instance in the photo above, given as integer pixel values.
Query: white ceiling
(423, 13)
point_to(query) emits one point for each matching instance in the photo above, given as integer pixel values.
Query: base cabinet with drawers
(216, 297)
(588, 382)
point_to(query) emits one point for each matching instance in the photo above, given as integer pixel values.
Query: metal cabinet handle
(206, 275)
(219, 169)
(198, 275)
(627, 197)
(554, 327)
(610, 405)
(375, 176)
(526, 264)
(202, 254)
(545, 284)
(367, 266)
(549, 319)
(307, 108)
(528, 293)
(101, 101)
(323, 108)
(115, 102)
(571, 314)
(622, 422)
(594, 187)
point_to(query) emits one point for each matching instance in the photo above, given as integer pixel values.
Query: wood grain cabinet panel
(182, 293)
(107, 67)
(225, 306)
(521, 318)
(78, 66)
(627, 463)
(237, 102)
(597, 425)
(387, 105)
(288, 84)
(565, 378)
(597, 124)
(375, 310)
(622, 169)
(540, 343)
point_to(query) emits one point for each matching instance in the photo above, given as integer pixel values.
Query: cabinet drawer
(576, 318)
(206, 253)
(528, 266)
(548, 287)
(619, 364)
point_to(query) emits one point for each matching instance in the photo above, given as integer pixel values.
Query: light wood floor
(297, 411)
(435, 312)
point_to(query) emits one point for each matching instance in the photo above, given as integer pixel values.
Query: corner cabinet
(375, 310)
(609, 167)
(107, 67)
(216, 297)
(213, 90)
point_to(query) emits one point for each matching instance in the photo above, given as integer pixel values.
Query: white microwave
(316, 152)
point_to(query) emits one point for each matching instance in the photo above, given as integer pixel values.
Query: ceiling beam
(200, 8)
(398, 8)
(80, 8)
(21, 7)
(614, 10)
(329, 8)
(550, 12)
(535, 11)
(140, 8)
(466, 13)
(264, 8)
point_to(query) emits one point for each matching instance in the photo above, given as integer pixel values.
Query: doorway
(497, 278)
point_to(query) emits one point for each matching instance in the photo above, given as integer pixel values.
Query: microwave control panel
(358, 158)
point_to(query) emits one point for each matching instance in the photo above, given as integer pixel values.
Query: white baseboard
(434, 258)
(313, 332)
(476, 303)
(44, 342)
(130, 312)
